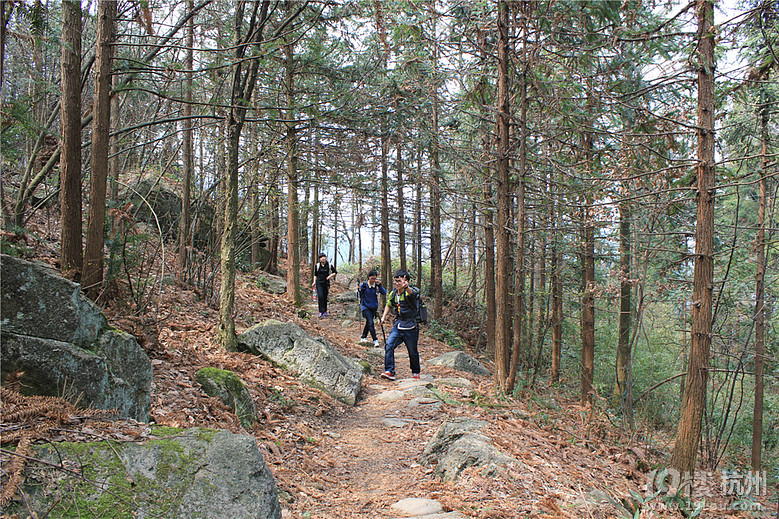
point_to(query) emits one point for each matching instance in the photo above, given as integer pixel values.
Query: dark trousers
(370, 315)
(396, 337)
(322, 290)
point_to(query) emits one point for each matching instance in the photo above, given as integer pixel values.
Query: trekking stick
(382, 332)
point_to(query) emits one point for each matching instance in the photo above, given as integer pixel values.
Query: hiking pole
(382, 333)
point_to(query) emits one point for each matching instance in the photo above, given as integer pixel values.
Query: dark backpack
(421, 313)
(421, 310)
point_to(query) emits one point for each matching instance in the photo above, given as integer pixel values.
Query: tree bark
(503, 253)
(624, 379)
(400, 203)
(757, 413)
(688, 433)
(101, 127)
(70, 157)
(244, 76)
(184, 238)
(293, 208)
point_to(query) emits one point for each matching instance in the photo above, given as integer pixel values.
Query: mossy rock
(192, 473)
(231, 390)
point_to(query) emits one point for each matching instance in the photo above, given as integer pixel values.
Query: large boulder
(180, 474)
(272, 284)
(460, 361)
(314, 360)
(459, 444)
(62, 343)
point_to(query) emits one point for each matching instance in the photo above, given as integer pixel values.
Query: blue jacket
(369, 298)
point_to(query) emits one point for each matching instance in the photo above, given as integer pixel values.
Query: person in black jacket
(323, 273)
(369, 304)
(403, 300)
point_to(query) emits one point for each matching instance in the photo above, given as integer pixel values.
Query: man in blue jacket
(403, 299)
(369, 304)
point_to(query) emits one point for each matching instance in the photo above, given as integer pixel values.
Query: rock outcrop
(63, 346)
(314, 360)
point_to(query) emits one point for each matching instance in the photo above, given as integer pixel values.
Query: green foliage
(437, 330)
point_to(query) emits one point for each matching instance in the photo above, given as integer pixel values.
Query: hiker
(369, 304)
(403, 299)
(323, 273)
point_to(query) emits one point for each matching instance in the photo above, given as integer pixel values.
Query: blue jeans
(370, 315)
(396, 337)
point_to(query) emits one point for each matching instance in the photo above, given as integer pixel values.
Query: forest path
(368, 456)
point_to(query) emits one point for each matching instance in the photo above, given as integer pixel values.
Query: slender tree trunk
(503, 252)
(588, 289)
(688, 434)
(70, 157)
(386, 258)
(400, 203)
(93, 253)
(293, 208)
(520, 318)
(418, 219)
(184, 238)
(624, 379)
(757, 414)
(243, 80)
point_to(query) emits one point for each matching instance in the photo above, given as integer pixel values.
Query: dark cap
(321, 255)
(402, 274)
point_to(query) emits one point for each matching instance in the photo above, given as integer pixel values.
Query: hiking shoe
(415, 375)
(324, 314)
(387, 375)
(320, 314)
(376, 343)
(362, 338)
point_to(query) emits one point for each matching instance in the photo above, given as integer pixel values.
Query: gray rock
(272, 284)
(454, 382)
(195, 473)
(347, 297)
(37, 302)
(314, 360)
(416, 506)
(64, 346)
(462, 362)
(458, 444)
(231, 390)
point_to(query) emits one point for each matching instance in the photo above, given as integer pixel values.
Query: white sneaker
(376, 343)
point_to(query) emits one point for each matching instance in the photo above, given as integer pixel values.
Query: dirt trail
(367, 458)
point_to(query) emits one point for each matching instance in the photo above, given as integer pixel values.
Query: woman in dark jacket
(323, 273)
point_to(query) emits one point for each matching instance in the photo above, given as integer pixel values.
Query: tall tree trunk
(556, 285)
(101, 127)
(503, 252)
(400, 203)
(70, 157)
(436, 265)
(757, 413)
(244, 77)
(184, 238)
(688, 434)
(624, 379)
(293, 208)
(386, 258)
(588, 284)
(520, 318)
(418, 219)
